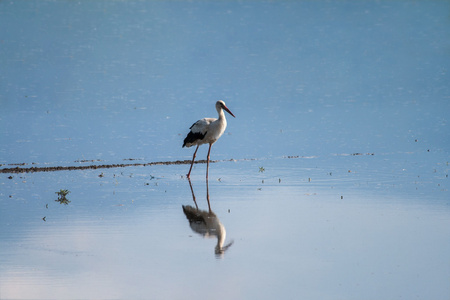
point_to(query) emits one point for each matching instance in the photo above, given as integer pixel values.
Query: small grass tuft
(62, 197)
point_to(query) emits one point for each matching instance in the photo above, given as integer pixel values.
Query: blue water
(119, 80)
(312, 83)
(306, 227)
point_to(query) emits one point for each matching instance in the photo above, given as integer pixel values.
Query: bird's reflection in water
(206, 223)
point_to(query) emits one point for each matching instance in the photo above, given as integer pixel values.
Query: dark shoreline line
(94, 167)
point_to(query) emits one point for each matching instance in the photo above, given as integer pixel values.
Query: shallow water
(331, 182)
(344, 235)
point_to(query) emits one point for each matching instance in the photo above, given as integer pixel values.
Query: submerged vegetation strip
(94, 167)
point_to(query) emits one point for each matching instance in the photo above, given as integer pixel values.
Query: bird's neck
(221, 115)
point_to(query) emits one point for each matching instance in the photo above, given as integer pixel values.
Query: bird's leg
(207, 195)
(192, 163)
(207, 162)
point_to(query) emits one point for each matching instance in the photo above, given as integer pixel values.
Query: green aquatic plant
(62, 197)
(261, 169)
(62, 193)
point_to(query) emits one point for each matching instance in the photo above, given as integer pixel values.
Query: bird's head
(221, 105)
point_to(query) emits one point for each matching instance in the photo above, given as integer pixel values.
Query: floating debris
(355, 154)
(87, 160)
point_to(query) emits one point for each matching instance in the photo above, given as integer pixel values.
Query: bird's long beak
(228, 111)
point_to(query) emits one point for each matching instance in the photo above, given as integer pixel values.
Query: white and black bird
(207, 131)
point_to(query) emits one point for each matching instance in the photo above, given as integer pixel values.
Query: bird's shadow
(206, 223)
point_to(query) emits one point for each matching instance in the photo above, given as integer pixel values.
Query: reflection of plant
(62, 197)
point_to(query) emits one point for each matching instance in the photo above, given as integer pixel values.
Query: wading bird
(207, 131)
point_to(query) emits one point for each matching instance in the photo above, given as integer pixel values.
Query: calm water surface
(124, 235)
(332, 181)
